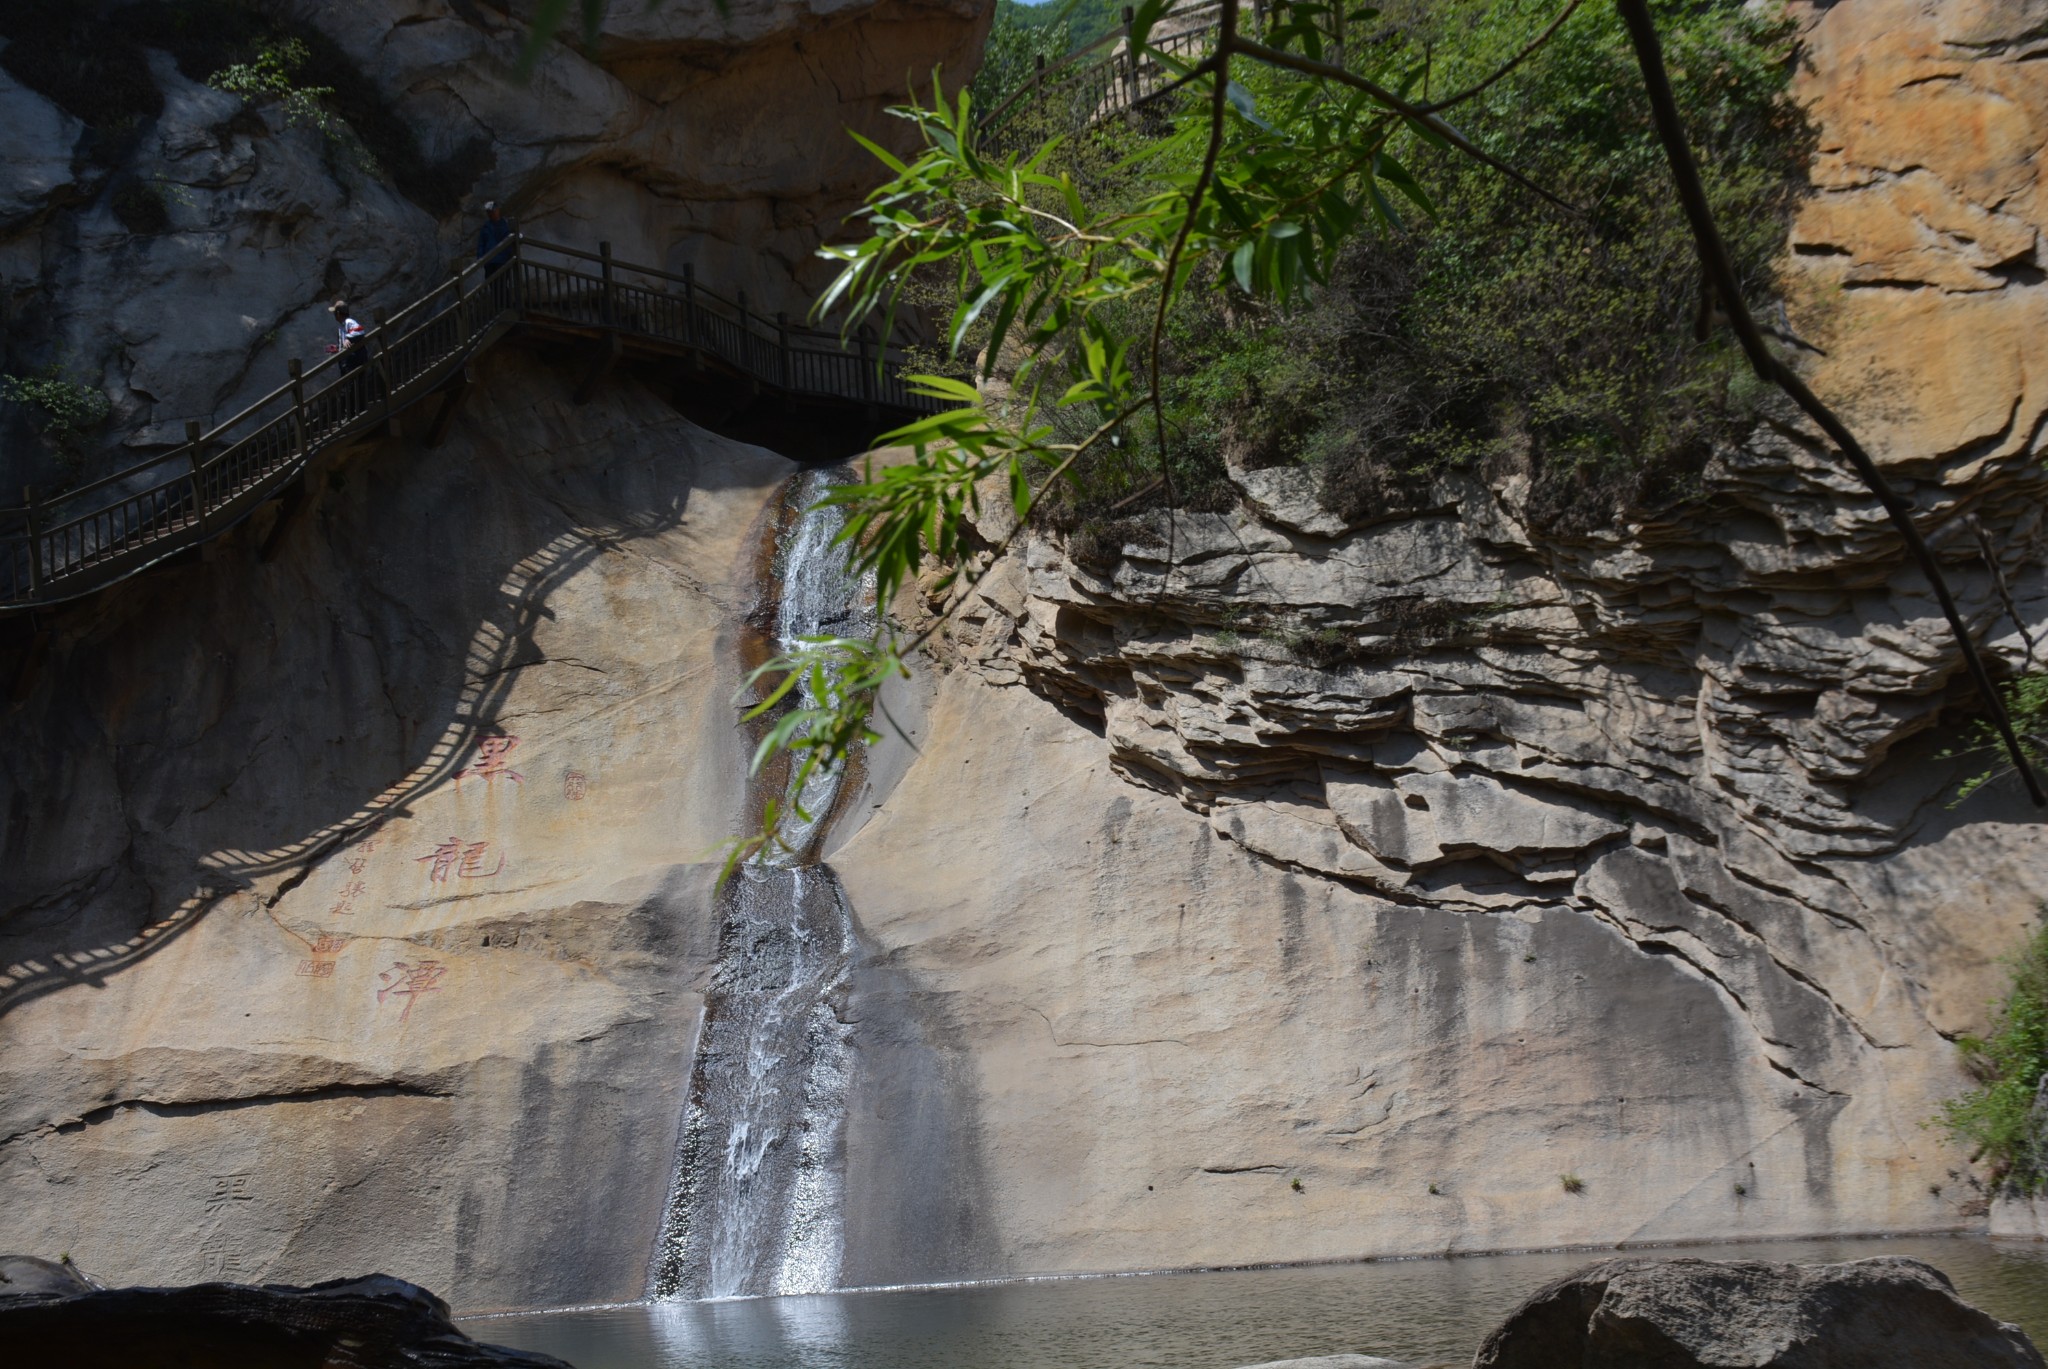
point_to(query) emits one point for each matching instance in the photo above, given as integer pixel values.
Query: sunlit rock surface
(1432, 860)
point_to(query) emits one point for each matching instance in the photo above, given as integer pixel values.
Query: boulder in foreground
(373, 1323)
(1885, 1313)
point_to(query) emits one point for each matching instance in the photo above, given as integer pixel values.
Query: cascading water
(755, 1206)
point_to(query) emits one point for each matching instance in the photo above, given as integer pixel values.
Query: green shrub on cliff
(2026, 704)
(63, 410)
(1997, 1120)
(91, 60)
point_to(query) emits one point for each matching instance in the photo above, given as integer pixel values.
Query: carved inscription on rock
(409, 981)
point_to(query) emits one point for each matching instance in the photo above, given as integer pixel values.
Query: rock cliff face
(1447, 856)
(685, 136)
(299, 977)
(356, 906)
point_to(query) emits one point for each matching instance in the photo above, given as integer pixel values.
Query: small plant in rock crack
(1295, 1184)
(1741, 1190)
(1434, 1190)
(64, 410)
(1572, 1183)
(272, 77)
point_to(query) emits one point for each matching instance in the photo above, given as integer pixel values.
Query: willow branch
(1307, 66)
(1720, 270)
(1219, 104)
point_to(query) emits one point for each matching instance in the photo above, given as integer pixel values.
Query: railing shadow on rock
(29, 971)
(70, 544)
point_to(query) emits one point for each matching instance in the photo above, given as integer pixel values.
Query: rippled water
(1406, 1309)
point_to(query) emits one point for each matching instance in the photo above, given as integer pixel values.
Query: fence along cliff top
(71, 544)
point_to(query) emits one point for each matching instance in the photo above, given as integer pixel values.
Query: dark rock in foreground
(25, 1276)
(1886, 1313)
(373, 1323)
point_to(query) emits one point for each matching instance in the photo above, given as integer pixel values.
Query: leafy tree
(2026, 703)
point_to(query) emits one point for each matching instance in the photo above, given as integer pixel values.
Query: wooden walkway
(1093, 84)
(72, 544)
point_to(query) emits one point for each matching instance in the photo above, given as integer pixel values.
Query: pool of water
(1403, 1309)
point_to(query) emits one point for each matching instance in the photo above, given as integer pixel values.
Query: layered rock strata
(1449, 857)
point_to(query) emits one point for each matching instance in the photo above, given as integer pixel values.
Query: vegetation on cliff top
(1128, 302)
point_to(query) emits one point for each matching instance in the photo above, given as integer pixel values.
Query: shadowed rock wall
(686, 136)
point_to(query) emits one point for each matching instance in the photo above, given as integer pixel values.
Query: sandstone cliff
(1450, 856)
(1622, 857)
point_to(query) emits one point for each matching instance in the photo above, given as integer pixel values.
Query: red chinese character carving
(491, 761)
(575, 784)
(464, 860)
(346, 904)
(410, 981)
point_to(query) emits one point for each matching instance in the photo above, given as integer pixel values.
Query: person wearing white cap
(490, 240)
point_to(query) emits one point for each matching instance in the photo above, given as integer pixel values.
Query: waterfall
(755, 1204)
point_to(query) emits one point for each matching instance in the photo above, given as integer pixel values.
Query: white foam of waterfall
(756, 1203)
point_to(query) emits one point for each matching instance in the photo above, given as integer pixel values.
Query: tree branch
(1720, 270)
(1259, 52)
(1515, 61)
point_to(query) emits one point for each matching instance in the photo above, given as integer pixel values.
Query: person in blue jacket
(491, 247)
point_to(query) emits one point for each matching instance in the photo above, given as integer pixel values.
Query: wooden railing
(1099, 81)
(69, 544)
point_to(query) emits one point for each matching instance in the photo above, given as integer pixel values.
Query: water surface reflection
(1407, 1309)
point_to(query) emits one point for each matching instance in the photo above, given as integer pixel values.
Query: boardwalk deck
(74, 543)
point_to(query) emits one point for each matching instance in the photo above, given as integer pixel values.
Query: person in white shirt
(348, 338)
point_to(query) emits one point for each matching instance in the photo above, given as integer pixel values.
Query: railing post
(782, 341)
(746, 356)
(382, 356)
(298, 374)
(461, 305)
(1038, 83)
(867, 363)
(690, 303)
(607, 314)
(35, 540)
(192, 455)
